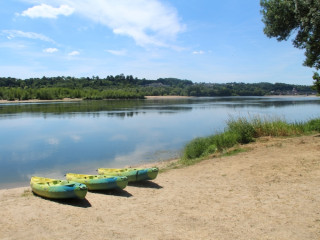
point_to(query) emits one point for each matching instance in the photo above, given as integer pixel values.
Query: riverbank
(269, 192)
(80, 99)
(44, 101)
(165, 97)
(146, 97)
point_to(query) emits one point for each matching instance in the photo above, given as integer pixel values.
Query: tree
(282, 18)
(316, 83)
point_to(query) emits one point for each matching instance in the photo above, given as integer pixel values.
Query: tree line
(128, 87)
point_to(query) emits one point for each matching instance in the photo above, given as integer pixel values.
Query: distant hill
(121, 86)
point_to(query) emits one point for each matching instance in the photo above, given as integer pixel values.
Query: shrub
(243, 128)
(243, 131)
(196, 148)
(314, 125)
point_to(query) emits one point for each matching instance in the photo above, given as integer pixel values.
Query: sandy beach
(41, 101)
(146, 97)
(165, 97)
(80, 99)
(269, 192)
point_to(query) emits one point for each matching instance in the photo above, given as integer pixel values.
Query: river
(51, 139)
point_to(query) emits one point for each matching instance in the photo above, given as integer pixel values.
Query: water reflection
(129, 108)
(121, 108)
(51, 139)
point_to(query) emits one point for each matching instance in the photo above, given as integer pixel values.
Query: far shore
(80, 99)
(38, 100)
(146, 98)
(165, 97)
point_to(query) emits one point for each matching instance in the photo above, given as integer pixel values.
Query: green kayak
(133, 174)
(99, 182)
(57, 189)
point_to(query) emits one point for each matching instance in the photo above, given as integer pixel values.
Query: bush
(225, 140)
(202, 147)
(196, 148)
(314, 125)
(243, 128)
(243, 131)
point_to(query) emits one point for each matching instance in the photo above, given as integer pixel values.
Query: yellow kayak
(99, 182)
(133, 174)
(57, 189)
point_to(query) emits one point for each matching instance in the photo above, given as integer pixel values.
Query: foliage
(243, 131)
(201, 147)
(197, 148)
(282, 18)
(127, 87)
(285, 17)
(316, 83)
(243, 128)
(313, 125)
(17, 93)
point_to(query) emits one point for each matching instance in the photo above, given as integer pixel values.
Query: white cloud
(74, 53)
(47, 11)
(12, 45)
(76, 138)
(118, 52)
(148, 22)
(50, 50)
(119, 137)
(16, 33)
(198, 52)
(53, 141)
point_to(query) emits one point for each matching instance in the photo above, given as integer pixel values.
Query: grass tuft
(242, 131)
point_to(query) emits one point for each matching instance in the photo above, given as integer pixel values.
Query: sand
(41, 101)
(271, 191)
(166, 97)
(80, 99)
(146, 97)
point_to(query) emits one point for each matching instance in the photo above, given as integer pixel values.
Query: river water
(51, 139)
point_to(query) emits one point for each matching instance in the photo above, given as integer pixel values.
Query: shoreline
(312, 95)
(146, 98)
(162, 165)
(167, 164)
(80, 99)
(271, 191)
(166, 97)
(42, 101)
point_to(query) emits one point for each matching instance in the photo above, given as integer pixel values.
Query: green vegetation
(127, 87)
(282, 18)
(17, 93)
(234, 152)
(242, 131)
(316, 82)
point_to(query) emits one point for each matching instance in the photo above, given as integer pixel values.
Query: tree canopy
(283, 18)
(128, 87)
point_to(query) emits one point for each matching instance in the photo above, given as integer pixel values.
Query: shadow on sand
(145, 184)
(83, 203)
(114, 192)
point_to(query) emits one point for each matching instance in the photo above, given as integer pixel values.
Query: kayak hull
(133, 174)
(57, 189)
(99, 182)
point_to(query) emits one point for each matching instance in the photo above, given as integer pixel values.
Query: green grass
(242, 131)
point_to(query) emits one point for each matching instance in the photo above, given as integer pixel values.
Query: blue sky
(199, 40)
